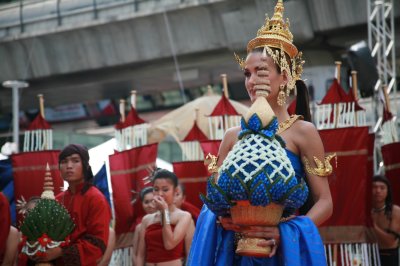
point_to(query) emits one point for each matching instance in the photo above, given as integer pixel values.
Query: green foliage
(48, 217)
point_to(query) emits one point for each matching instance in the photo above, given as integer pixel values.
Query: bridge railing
(41, 16)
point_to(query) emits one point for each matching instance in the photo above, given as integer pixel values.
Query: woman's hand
(270, 236)
(228, 224)
(160, 203)
(262, 82)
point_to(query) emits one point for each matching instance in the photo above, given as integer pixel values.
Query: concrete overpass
(74, 51)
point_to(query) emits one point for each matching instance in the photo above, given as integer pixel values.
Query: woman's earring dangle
(281, 95)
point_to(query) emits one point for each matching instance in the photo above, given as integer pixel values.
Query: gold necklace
(288, 123)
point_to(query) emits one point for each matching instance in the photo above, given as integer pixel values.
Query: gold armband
(211, 161)
(323, 168)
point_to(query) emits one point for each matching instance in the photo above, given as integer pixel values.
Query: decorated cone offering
(47, 225)
(256, 180)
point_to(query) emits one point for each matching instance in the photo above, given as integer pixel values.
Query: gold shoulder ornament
(211, 162)
(323, 169)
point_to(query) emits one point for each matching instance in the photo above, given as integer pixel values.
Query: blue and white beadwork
(256, 169)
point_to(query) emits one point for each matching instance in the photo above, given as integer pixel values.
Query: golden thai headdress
(275, 37)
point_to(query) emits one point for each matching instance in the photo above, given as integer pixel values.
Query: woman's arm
(229, 139)
(384, 238)
(135, 243)
(172, 238)
(189, 237)
(310, 144)
(141, 252)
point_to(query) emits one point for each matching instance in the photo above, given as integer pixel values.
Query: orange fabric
(155, 250)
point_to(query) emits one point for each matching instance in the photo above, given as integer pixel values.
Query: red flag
(29, 169)
(391, 159)
(350, 181)
(128, 168)
(194, 176)
(349, 185)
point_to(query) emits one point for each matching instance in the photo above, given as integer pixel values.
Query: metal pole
(21, 16)
(15, 85)
(172, 46)
(96, 16)
(58, 13)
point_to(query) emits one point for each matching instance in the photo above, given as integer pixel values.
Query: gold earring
(281, 95)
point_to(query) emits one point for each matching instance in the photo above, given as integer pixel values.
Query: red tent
(195, 134)
(132, 119)
(335, 94)
(39, 123)
(224, 107)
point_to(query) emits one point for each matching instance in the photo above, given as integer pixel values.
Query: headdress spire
(275, 37)
(275, 33)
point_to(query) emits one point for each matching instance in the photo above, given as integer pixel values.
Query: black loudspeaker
(360, 60)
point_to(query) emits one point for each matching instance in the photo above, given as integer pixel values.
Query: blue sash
(300, 244)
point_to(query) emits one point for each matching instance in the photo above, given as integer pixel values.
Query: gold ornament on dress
(323, 169)
(275, 34)
(288, 123)
(211, 162)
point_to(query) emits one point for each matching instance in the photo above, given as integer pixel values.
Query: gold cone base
(248, 247)
(245, 214)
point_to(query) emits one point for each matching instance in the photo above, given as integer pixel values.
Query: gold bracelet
(323, 169)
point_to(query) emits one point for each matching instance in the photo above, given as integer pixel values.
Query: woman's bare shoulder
(183, 214)
(396, 211)
(148, 219)
(304, 127)
(232, 132)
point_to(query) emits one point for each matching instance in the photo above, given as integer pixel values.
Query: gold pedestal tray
(245, 214)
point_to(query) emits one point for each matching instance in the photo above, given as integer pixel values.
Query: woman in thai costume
(164, 233)
(273, 66)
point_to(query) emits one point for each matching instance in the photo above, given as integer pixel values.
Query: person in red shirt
(183, 204)
(88, 208)
(4, 225)
(8, 234)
